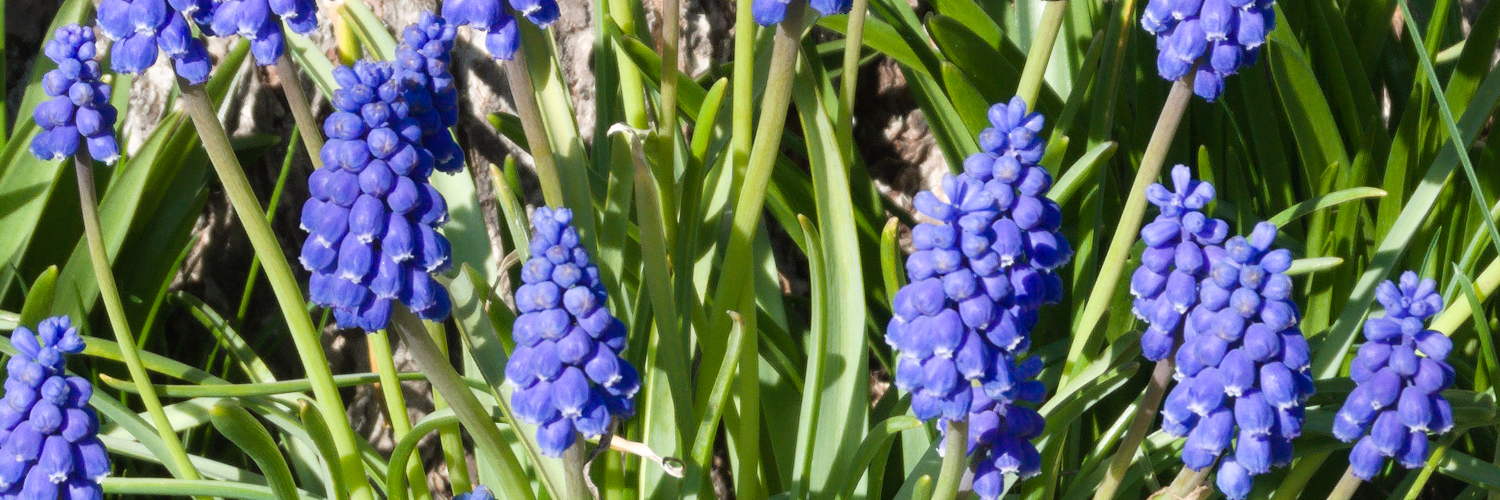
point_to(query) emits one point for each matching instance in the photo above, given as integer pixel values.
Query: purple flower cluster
(253, 20)
(78, 107)
(373, 217)
(1001, 430)
(1228, 33)
(423, 60)
(770, 12)
(1398, 375)
(51, 447)
(502, 34)
(479, 493)
(1165, 286)
(979, 274)
(145, 27)
(566, 366)
(1243, 365)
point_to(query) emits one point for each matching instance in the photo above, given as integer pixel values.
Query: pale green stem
(1460, 311)
(1346, 487)
(671, 35)
(446, 381)
(253, 275)
(849, 77)
(742, 89)
(1145, 415)
(955, 460)
(1131, 216)
(1184, 484)
(574, 483)
(288, 293)
(449, 437)
(296, 99)
(89, 206)
(395, 406)
(1041, 52)
(736, 289)
(542, 160)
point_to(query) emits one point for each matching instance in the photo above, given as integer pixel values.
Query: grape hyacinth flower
(49, 433)
(493, 17)
(254, 20)
(1001, 430)
(771, 12)
(1399, 374)
(1243, 366)
(566, 366)
(78, 108)
(423, 60)
(373, 216)
(144, 27)
(1165, 285)
(1212, 38)
(479, 493)
(980, 271)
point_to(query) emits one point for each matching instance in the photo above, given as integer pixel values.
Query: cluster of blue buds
(1243, 366)
(78, 107)
(144, 27)
(1001, 430)
(502, 34)
(373, 216)
(1398, 375)
(479, 493)
(1212, 38)
(49, 433)
(423, 60)
(770, 12)
(979, 275)
(253, 20)
(566, 366)
(1165, 285)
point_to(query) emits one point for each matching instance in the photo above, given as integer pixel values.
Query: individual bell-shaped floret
(49, 444)
(567, 371)
(495, 19)
(1175, 261)
(1242, 369)
(479, 493)
(77, 109)
(1399, 374)
(260, 22)
(772, 12)
(373, 217)
(1211, 38)
(142, 28)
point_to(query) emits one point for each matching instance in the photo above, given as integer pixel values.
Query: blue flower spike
(479, 493)
(566, 366)
(49, 443)
(1175, 261)
(1242, 369)
(495, 19)
(982, 269)
(78, 108)
(1210, 38)
(259, 21)
(143, 28)
(772, 12)
(423, 59)
(373, 217)
(1399, 374)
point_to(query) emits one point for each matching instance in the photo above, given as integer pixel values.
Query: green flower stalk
(305, 334)
(80, 122)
